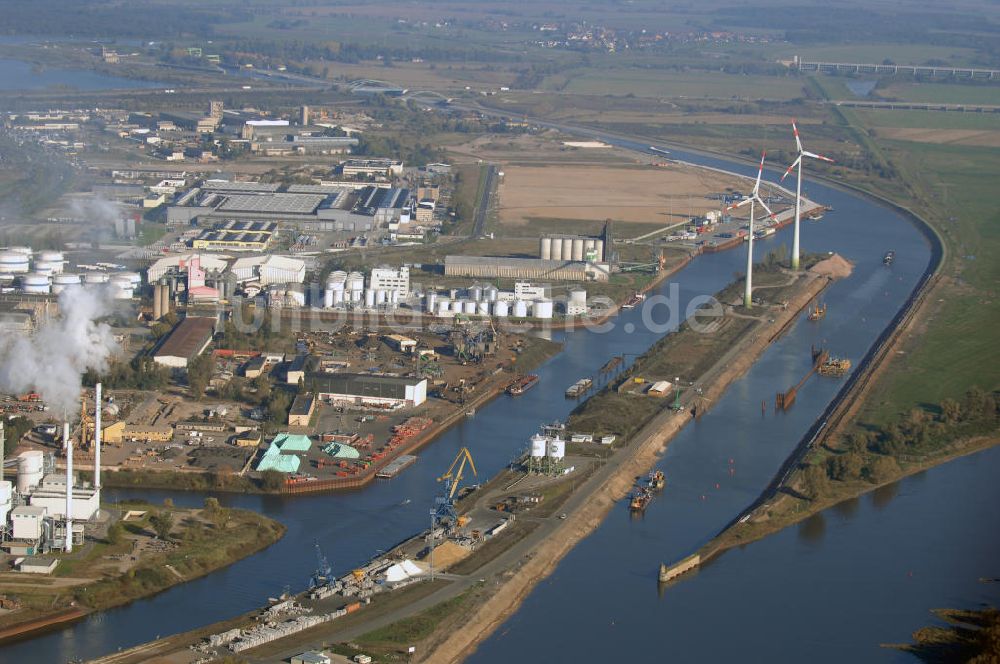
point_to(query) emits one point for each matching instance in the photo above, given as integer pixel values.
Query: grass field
(927, 119)
(944, 93)
(665, 83)
(903, 54)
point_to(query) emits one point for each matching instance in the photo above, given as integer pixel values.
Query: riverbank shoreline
(266, 532)
(654, 438)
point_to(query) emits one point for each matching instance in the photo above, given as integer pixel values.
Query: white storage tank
(469, 306)
(6, 278)
(556, 448)
(490, 293)
(520, 309)
(578, 296)
(95, 278)
(539, 446)
(328, 298)
(338, 297)
(24, 251)
(13, 262)
(476, 293)
(36, 283)
(501, 308)
(456, 306)
(369, 298)
(483, 308)
(6, 492)
(542, 309)
(443, 307)
(599, 250)
(545, 250)
(430, 301)
(48, 269)
(61, 282)
(577, 249)
(30, 466)
(381, 296)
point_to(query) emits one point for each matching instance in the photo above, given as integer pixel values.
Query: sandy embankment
(644, 451)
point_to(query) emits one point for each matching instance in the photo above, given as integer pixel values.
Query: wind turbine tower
(753, 200)
(797, 165)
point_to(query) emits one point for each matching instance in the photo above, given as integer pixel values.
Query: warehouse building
(492, 267)
(188, 340)
(302, 410)
(371, 167)
(271, 269)
(368, 391)
(236, 235)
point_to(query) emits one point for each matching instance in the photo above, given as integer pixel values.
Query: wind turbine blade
(760, 172)
(745, 201)
(817, 156)
(798, 143)
(764, 205)
(791, 168)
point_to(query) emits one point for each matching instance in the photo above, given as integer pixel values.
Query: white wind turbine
(797, 164)
(753, 199)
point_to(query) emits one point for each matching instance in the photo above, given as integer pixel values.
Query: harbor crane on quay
(323, 571)
(444, 505)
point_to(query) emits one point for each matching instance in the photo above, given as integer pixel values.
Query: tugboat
(657, 480)
(834, 366)
(522, 385)
(818, 312)
(889, 257)
(640, 498)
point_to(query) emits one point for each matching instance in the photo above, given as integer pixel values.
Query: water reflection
(882, 496)
(811, 530)
(848, 508)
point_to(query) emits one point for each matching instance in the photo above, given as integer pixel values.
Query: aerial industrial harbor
(399, 333)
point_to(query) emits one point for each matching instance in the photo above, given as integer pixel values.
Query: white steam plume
(53, 360)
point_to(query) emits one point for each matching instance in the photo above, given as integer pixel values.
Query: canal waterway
(614, 570)
(21, 75)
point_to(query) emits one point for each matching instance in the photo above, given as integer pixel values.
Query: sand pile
(835, 267)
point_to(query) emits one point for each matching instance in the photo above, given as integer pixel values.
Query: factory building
(186, 341)
(235, 235)
(271, 269)
(368, 391)
(390, 279)
(491, 267)
(302, 410)
(371, 167)
(51, 495)
(178, 265)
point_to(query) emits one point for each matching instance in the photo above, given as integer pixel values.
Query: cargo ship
(834, 366)
(639, 500)
(578, 388)
(889, 257)
(522, 385)
(818, 312)
(634, 301)
(657, 480)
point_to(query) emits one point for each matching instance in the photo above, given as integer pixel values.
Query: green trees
(116, 532)
(162, 523)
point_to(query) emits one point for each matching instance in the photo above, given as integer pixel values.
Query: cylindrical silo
(456, 306)
(327, 298)
(338, 297)
(541, 309)
(157, 302)
(369, 298)
(557, 249)
(483, 308)
(556, 449)
(90, 278)
(599, 250)
(430, 301)
(13, 262)
(476, 292)
(30, 466)
(61, 282)
(165, 298)
(577, 249)
(545, 249)
(36, 283)
(490, 293)
(520, 309)
(500, 308)
(539, 446)
(381, 296)
(443, 307)
(469, 306)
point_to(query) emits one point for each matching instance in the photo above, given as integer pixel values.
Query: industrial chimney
(97, 437)
(69, 488)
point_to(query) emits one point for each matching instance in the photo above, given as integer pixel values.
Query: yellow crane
(452, 478)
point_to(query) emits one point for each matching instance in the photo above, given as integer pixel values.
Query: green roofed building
(274, 457)
(341, 451)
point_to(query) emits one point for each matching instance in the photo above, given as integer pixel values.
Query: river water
(613, 571)
(20, 75)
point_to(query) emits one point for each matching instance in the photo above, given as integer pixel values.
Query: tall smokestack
(69, 487)
(97, 437)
